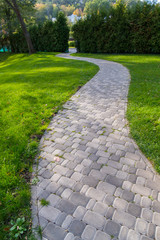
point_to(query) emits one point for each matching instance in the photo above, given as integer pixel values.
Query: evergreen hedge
(124, 29)
(47, 37)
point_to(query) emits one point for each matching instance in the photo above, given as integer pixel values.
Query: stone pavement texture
(98, 184)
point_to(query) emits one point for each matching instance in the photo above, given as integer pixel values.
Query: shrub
(47, 37)
(71, 43)
(132, 28)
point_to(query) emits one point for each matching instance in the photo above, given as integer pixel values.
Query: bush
(132, 28)
(47, 37)
(71, 43)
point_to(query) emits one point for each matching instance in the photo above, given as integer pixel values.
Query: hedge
(124, 29)
(47, 37)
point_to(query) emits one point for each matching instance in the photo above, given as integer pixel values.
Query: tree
(16, 5)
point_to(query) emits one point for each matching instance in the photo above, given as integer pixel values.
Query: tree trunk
(24, 29)
(9, 26)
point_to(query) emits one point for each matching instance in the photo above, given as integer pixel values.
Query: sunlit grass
(143, 110)
(32, 89)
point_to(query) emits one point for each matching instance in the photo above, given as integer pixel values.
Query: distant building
(73, 18)
(53, 19)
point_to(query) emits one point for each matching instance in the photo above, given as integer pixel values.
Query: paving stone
(128, 196)
(66, 193)
(109, 170)
(132, 235)
(144, 173)
(156, 218)
(95, 194)
(132, 156)
(134, 209)
(86, 170)
(124, 218)
(157, 234)
(146, 202)
(97, 174)
(120, 204)
(141, 190)
(110, 213)
(53, 232)
(69, 236)
(127, 185)
(77, 227)
(47, 174)
(123, 233)
(141, 226)
(141, 181)
(60, 219)
(112, 228)
(60, 190)
(79, 199)
(114, 164)
(118, 192)
(69, 173)
(153, 185)
(66, 206)
(44, 195)
(67, 182)
(101, 236)
(88, 233)
(67, 222)
(91, 204)
(79, 212)
(77, 176)
(100, 208)
(55, 177)
(96, 166)
(114, 180)
(147, 214)
(90, 181)
(106, 187)
(151, 230)
(122, 174)
(49, 213)
(138, 199)
(145, 238)
(53, 199)
(94, 219)
(156, 206)
(84, 189)
(86, 162)
(115, 157)
(132, 178)
(43, 222)
(93, 157)
(61, 170)
(109, 199)
(44, 183)
(52, 187)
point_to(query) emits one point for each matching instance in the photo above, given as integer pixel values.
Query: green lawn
(32, 89)
(143, 100)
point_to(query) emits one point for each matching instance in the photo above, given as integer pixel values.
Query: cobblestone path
(98, 184)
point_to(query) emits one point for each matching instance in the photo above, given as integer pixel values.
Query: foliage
(44, 202)
(35, 88)
(49, 37)
(120, 28)
(143, 110)
(18, 228)
(71, 43)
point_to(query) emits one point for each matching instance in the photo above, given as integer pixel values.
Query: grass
(32, 89)
(143, 110)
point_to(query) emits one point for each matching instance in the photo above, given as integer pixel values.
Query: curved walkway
(98, 184)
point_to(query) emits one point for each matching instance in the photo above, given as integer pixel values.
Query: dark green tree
(16, 6)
